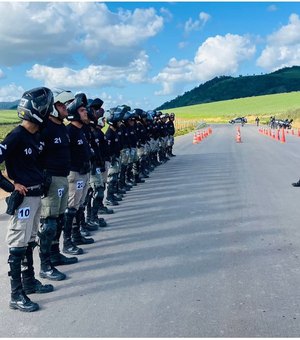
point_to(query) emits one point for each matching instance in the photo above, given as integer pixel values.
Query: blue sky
(141, 53)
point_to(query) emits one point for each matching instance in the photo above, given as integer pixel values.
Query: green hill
(283, 105)
(225, 88)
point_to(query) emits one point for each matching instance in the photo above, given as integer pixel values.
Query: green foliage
(226, 88)
(8, 117)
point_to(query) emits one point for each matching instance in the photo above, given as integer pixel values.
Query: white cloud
(219, 55)
(34, 31)
(11, 93)
(272, 8)
(2, 74)
(93, 75)
(196, 25)
(283, 47)
(182, 44)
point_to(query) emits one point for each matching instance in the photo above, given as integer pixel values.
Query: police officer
(78, 177)
(96, 191)
(130, 121)
(21, 150)
(125, 151)
(139, 165)
(163, 138)
(56, 162)
(170, 132)
(105, 156)
(113, 116)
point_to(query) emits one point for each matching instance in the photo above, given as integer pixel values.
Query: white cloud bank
(283, 47)
(219, 55)
(11, 93)
(93, 75)
(35, 31)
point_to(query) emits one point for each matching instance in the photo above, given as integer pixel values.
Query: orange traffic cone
(238, 137)
(278, 135)
(199, 139)
(282, 136)
(195, 141)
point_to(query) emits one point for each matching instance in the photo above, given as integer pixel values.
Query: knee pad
(17, 251)
(71, 212)
(47, 229)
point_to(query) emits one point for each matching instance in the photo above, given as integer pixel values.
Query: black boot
(137, 179)
(56, 257)
(129, 175)
(99, 222)
(296, 184)
(102, 209)
(69, 246)
(171, 152)
(48, 271)
(46, 235)
(19, 300)
(110, 198)
(77, 238)
(122, 179)
(30, 283)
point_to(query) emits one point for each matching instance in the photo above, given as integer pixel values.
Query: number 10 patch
(24, 213)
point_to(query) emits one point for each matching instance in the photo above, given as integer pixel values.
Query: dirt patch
(3, 194)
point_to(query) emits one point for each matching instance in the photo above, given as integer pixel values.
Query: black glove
(46, 184)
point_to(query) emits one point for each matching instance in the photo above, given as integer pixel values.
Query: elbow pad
(5, 184)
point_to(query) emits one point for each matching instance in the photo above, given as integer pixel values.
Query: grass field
(284, 105)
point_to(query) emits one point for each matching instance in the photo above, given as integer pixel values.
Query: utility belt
(35, 190)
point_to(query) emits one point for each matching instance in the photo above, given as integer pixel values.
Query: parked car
(241, 120)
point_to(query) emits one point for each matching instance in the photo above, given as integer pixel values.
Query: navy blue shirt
(56, 156)
(113, 142)
(80, 149)
(21, 152)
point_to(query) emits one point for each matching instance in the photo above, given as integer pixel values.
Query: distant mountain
(9, 105)
(224, 88)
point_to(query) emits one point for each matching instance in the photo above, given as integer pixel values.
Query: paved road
(209, 246)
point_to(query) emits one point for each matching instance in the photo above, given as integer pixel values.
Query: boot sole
(58, 278)
(15, 306)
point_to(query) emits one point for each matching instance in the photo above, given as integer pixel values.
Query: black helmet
(126, 116)
(36, 105)
(96, 103)
(126, 107)
(79, 101)
(149, 115)
(116, 114)
(139, 113)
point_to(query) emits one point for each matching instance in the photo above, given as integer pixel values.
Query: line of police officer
(60, 174)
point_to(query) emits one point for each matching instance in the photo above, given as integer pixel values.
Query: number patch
(24, 213)
(79, 185)
(60, 192)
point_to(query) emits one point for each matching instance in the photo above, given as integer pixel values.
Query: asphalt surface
(209, 246)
